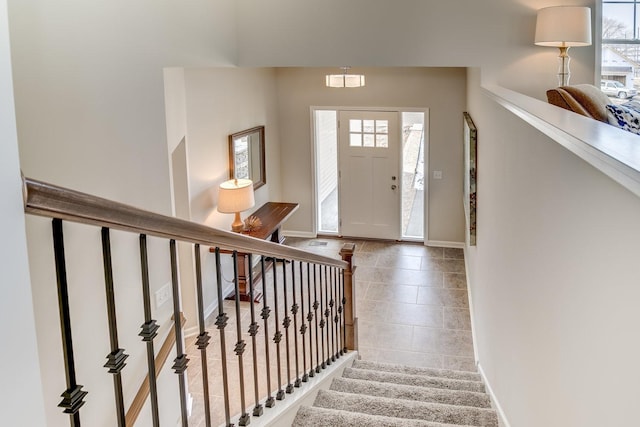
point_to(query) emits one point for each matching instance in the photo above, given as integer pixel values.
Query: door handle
(393, 187)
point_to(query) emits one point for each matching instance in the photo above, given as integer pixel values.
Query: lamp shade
(235, 195)
(563, 26)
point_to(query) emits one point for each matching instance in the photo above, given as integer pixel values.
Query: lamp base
(238, 225)
(564, 74)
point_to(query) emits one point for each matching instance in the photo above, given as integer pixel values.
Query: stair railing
(313, 293)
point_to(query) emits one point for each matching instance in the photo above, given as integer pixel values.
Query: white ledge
(614, 152)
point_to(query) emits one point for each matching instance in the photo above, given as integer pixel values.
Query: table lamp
(563, 27)
(235, 196)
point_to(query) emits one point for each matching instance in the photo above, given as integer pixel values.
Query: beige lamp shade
(235, 196)
(563, 26)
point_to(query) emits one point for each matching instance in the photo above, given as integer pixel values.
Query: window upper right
(620, 66)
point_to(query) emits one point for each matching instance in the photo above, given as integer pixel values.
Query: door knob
(393, 187)
(393, 178)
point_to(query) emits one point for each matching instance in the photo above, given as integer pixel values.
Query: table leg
(244, 270)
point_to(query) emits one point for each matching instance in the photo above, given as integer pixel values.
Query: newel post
(351, 321)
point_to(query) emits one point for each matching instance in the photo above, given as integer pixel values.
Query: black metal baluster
(315, 314)
(294, 313)
(286, 322)
(331, 319)
(240, 344)
(322, 318)
(303, 328)
(327, 312)
(253, 331)
(310, 320)
(73, 396)
(343, 319)
(336, 318)
(265, 316)
(203, 338)
(116, 358)
(278, 335)
(221, 323)
(149, 331)
(181, 361)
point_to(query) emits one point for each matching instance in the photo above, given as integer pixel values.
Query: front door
(369, 182)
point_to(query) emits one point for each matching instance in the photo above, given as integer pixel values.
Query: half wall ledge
(614, 152)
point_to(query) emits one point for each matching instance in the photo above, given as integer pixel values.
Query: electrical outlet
(163, 294)
(437, 174)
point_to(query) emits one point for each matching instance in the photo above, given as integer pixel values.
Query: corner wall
(18, 333)
(553, 278)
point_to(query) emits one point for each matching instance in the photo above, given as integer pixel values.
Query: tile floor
(411, 304)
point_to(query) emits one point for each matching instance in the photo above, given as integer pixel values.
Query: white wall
(554, 278)
(90, 110)
(441, 90)
(219, 102)
(494, 34)
(21, 401)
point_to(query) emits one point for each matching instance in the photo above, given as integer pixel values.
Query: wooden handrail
(143, 391)
(52, 201)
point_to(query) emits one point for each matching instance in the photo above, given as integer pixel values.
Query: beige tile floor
(411, 304)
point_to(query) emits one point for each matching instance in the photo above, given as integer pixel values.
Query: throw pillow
(624, 118)
(633, 105)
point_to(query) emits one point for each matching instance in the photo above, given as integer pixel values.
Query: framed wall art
(246, 156)
(470, 178)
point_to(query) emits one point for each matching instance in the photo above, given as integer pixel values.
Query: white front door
(369, 182)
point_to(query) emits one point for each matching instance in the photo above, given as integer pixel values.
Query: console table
(272, 215)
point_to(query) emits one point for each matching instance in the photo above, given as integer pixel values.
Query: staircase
(384, 395)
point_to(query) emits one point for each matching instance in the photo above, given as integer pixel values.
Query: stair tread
(414, 380)
(435, 412)
(415, 370)
(410, 392)
(311, 416)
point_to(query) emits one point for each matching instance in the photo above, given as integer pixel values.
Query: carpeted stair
(384, 395)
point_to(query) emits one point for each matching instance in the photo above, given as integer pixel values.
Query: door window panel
(382, 141)
(355, 140)
(368, 140)
(369, 133)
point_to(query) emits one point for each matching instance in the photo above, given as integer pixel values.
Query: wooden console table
(272, 215)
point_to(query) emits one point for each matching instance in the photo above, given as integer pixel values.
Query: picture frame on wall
(470, 178)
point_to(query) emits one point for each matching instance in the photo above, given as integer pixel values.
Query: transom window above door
(369, 133)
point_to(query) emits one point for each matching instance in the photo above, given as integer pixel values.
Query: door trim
(314, 199)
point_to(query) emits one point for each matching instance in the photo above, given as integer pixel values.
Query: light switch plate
(163, 295)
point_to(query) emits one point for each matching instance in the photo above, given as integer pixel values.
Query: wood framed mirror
(246, 156)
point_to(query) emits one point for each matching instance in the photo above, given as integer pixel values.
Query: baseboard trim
(303, 234)
(445, 244)
(476, 355)
(502, 417)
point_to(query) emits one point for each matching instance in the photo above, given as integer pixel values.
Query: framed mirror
(246, 156)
